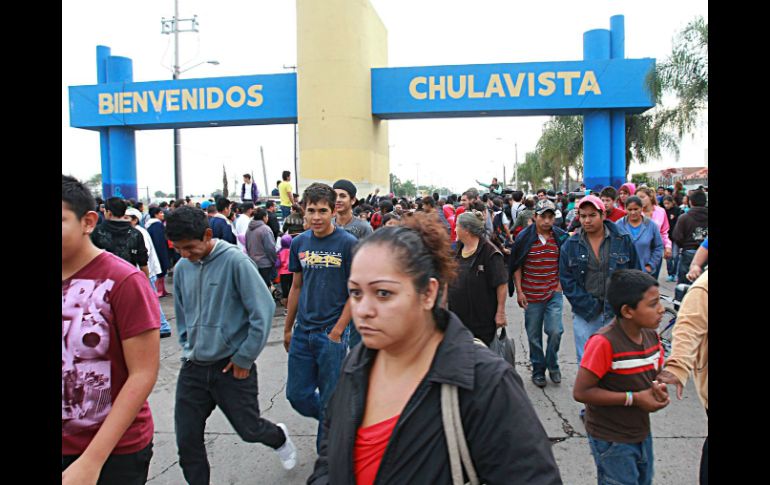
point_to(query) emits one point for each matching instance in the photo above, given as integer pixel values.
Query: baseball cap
(205, 204)
(545, 205)
(132, 212)
(593, 200)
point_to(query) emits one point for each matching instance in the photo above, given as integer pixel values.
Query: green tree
(531, 173)
(160, 193)
(94, 184)
(640, 178)
(408, 189)
(560, 147)
(225, 192)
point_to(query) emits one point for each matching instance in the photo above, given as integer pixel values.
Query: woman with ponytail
(387, 402)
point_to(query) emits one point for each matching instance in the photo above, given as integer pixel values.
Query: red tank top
(371, 442)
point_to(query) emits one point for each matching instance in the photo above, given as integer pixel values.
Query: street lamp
(216, 63)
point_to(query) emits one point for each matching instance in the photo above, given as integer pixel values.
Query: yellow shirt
(284, 190)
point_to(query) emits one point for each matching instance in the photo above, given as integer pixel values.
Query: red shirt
(540, 273)
(371, 442)
(105, 302)
(616, 214)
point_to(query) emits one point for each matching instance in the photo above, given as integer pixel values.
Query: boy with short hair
(110, 354)
(317, 342)
(616, 380)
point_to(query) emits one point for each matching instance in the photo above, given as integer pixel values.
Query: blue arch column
(617, 116)
(118, 144)
(596, 123)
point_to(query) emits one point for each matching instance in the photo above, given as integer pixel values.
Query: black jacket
(507, 442)
(121, 239)
(692, 228)
(272, 223)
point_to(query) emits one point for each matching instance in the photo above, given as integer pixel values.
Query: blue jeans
(544, 316)
(199, 389)
(164, 326)
(315, 363)
(685, 259)
(623, 463)
(672, 264)
(285, 211)
(584, 329)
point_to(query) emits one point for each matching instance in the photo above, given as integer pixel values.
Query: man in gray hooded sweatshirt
(260, 245)
(224, 314)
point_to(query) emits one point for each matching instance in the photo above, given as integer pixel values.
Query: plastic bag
(503, 346)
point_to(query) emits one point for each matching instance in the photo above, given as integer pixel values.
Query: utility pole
(264, 171)
(171, 26)
(296, 168)
(516, 164)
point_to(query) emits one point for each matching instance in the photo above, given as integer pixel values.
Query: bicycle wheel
(666, 330)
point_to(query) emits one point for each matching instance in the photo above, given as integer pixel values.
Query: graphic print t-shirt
(325, 267)
(105, 302)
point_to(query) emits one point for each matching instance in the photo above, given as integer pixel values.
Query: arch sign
(603, 88)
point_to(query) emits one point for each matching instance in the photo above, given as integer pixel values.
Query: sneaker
(555, 376)
(539, 380)
(165, 334)
(583, 415)
(670, 278)
(288, 452)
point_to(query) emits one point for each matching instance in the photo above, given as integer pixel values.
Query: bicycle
(666, 328)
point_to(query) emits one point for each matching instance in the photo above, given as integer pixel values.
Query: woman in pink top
(652, 210)
(282, 263)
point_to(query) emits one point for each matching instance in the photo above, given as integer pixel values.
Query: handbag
(503, 346)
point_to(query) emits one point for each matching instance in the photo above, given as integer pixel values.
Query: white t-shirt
(247, 193)
(153, 264)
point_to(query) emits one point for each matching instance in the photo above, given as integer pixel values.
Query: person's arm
(696, 267)
(521, 299)
(656, 255)
(500, 315)
(486, 186)
(291, 309)
(269, 243)
(336, 334)
(582, 302)
(142, 356)
(690, 330)
(259, 306)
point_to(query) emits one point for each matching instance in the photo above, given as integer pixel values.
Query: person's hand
(506, 251)
(667, 377)
(335, 337)
(667, 253)
(238, 372)
(521, 299)
(659, 390)
(286, 339)
(694, 272)
(500, 319)
(81, 472)
(648, 268)
(647, 402)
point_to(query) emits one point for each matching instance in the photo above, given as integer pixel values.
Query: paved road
(678, 431)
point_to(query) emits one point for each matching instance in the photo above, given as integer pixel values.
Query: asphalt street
(678, 430)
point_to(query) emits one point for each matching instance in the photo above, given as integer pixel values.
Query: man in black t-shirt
(119, 237)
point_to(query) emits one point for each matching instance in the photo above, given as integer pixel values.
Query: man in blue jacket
(224, 313)
(534, 266)
(586, 263)
(219, 222)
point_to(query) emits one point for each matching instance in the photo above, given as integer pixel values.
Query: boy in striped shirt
(616, 380)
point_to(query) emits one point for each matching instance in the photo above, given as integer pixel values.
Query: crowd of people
(388, 303)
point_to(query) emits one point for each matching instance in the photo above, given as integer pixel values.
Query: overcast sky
(259, 37)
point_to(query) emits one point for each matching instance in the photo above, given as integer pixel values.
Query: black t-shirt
(473, 295)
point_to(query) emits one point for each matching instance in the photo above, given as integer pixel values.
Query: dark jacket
(121, 239)
(521, 246)
(692, 228)
(573, 264)
(272, 222)
(507, 442)
(221, 229)
(254, 192)
(158, 236)
(473, 294)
